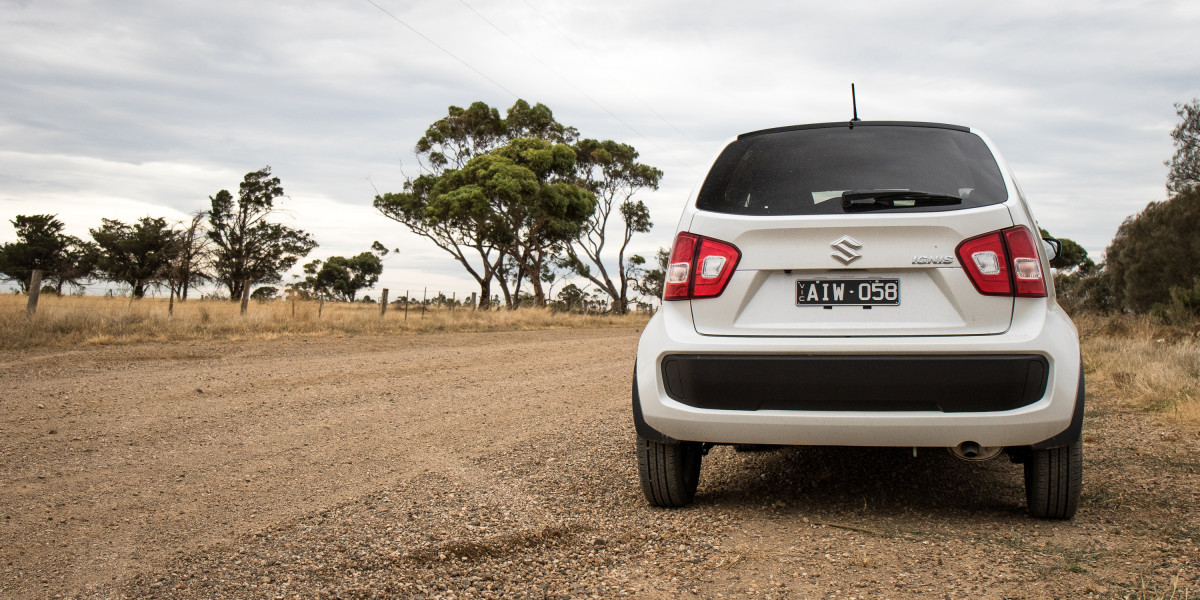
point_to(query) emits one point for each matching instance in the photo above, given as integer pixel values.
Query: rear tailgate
(906, 261)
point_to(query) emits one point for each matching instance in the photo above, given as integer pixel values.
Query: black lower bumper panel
(869, 383)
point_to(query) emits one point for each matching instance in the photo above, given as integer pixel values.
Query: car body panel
(940, 313)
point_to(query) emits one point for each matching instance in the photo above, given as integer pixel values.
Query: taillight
(679, 268)
(1004, 263)
(699, 267)
(1027, 267)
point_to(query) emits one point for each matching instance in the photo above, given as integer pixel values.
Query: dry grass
(1140, 361)
(81, 320)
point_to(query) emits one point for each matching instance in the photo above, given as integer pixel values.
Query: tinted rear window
(804, 171)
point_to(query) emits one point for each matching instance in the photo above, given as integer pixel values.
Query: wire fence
(415, 300)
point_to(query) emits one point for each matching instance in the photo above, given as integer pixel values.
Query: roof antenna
(854, 103)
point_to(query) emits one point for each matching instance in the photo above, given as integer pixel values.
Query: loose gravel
(502, 466)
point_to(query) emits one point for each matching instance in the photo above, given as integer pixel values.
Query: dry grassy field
(90, 320)
(1148, 365)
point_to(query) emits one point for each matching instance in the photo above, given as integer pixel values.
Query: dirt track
(501, 465)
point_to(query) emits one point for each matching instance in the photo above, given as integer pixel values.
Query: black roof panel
(853, 124)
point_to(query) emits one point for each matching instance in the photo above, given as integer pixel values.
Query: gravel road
(501, 465)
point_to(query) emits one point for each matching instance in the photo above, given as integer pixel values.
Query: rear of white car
(860, 284)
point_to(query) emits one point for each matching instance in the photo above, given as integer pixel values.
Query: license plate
(848, 292)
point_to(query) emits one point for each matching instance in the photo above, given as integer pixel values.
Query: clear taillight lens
(699, 267)
(1004, 263)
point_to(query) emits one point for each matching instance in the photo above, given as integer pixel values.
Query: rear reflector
(1004, 263)
(716, 260)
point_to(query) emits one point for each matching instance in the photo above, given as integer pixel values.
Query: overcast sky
(125, 109)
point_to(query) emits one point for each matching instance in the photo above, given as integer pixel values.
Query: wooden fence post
(383, 303)
(424, 297)
(35, 290)
(406, 293)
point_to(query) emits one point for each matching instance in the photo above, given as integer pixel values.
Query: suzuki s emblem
(844, 249)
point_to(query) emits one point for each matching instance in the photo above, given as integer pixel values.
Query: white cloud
(123, 109)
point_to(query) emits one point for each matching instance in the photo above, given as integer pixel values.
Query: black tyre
(669, 471)
(1053, 479)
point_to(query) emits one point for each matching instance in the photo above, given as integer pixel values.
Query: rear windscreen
(805, 171)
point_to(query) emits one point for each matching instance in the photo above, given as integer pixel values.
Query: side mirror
(1053, 247)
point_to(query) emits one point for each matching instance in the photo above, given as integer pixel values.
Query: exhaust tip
(972, 451)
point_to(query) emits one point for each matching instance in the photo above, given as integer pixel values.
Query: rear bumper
(942, 383)
(1012, 389)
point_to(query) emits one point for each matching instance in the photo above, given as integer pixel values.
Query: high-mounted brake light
(699, 267)
(1004, 263)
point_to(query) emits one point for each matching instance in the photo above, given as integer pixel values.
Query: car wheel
(1053, 478)
(669, 471)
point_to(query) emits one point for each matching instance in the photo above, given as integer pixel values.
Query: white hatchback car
(861, 284)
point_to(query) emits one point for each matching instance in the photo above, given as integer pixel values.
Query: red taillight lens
(1004, 263)
(679, 268)
(986, 263)
(699, 267)
(1027, 267)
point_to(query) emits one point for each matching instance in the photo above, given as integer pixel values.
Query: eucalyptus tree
(464, 224)
(611, 171)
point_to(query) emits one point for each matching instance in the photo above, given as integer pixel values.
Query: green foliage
(1155, 251)
(525, 121)
(1182, 308)
(340, 277)
(41, 244)
(265, 293)
(1184, 173)
(461, 135)
(346, 276)
(139, 254)
(1085, 290)
(247, 247)
(380, 249)
(572, 298)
